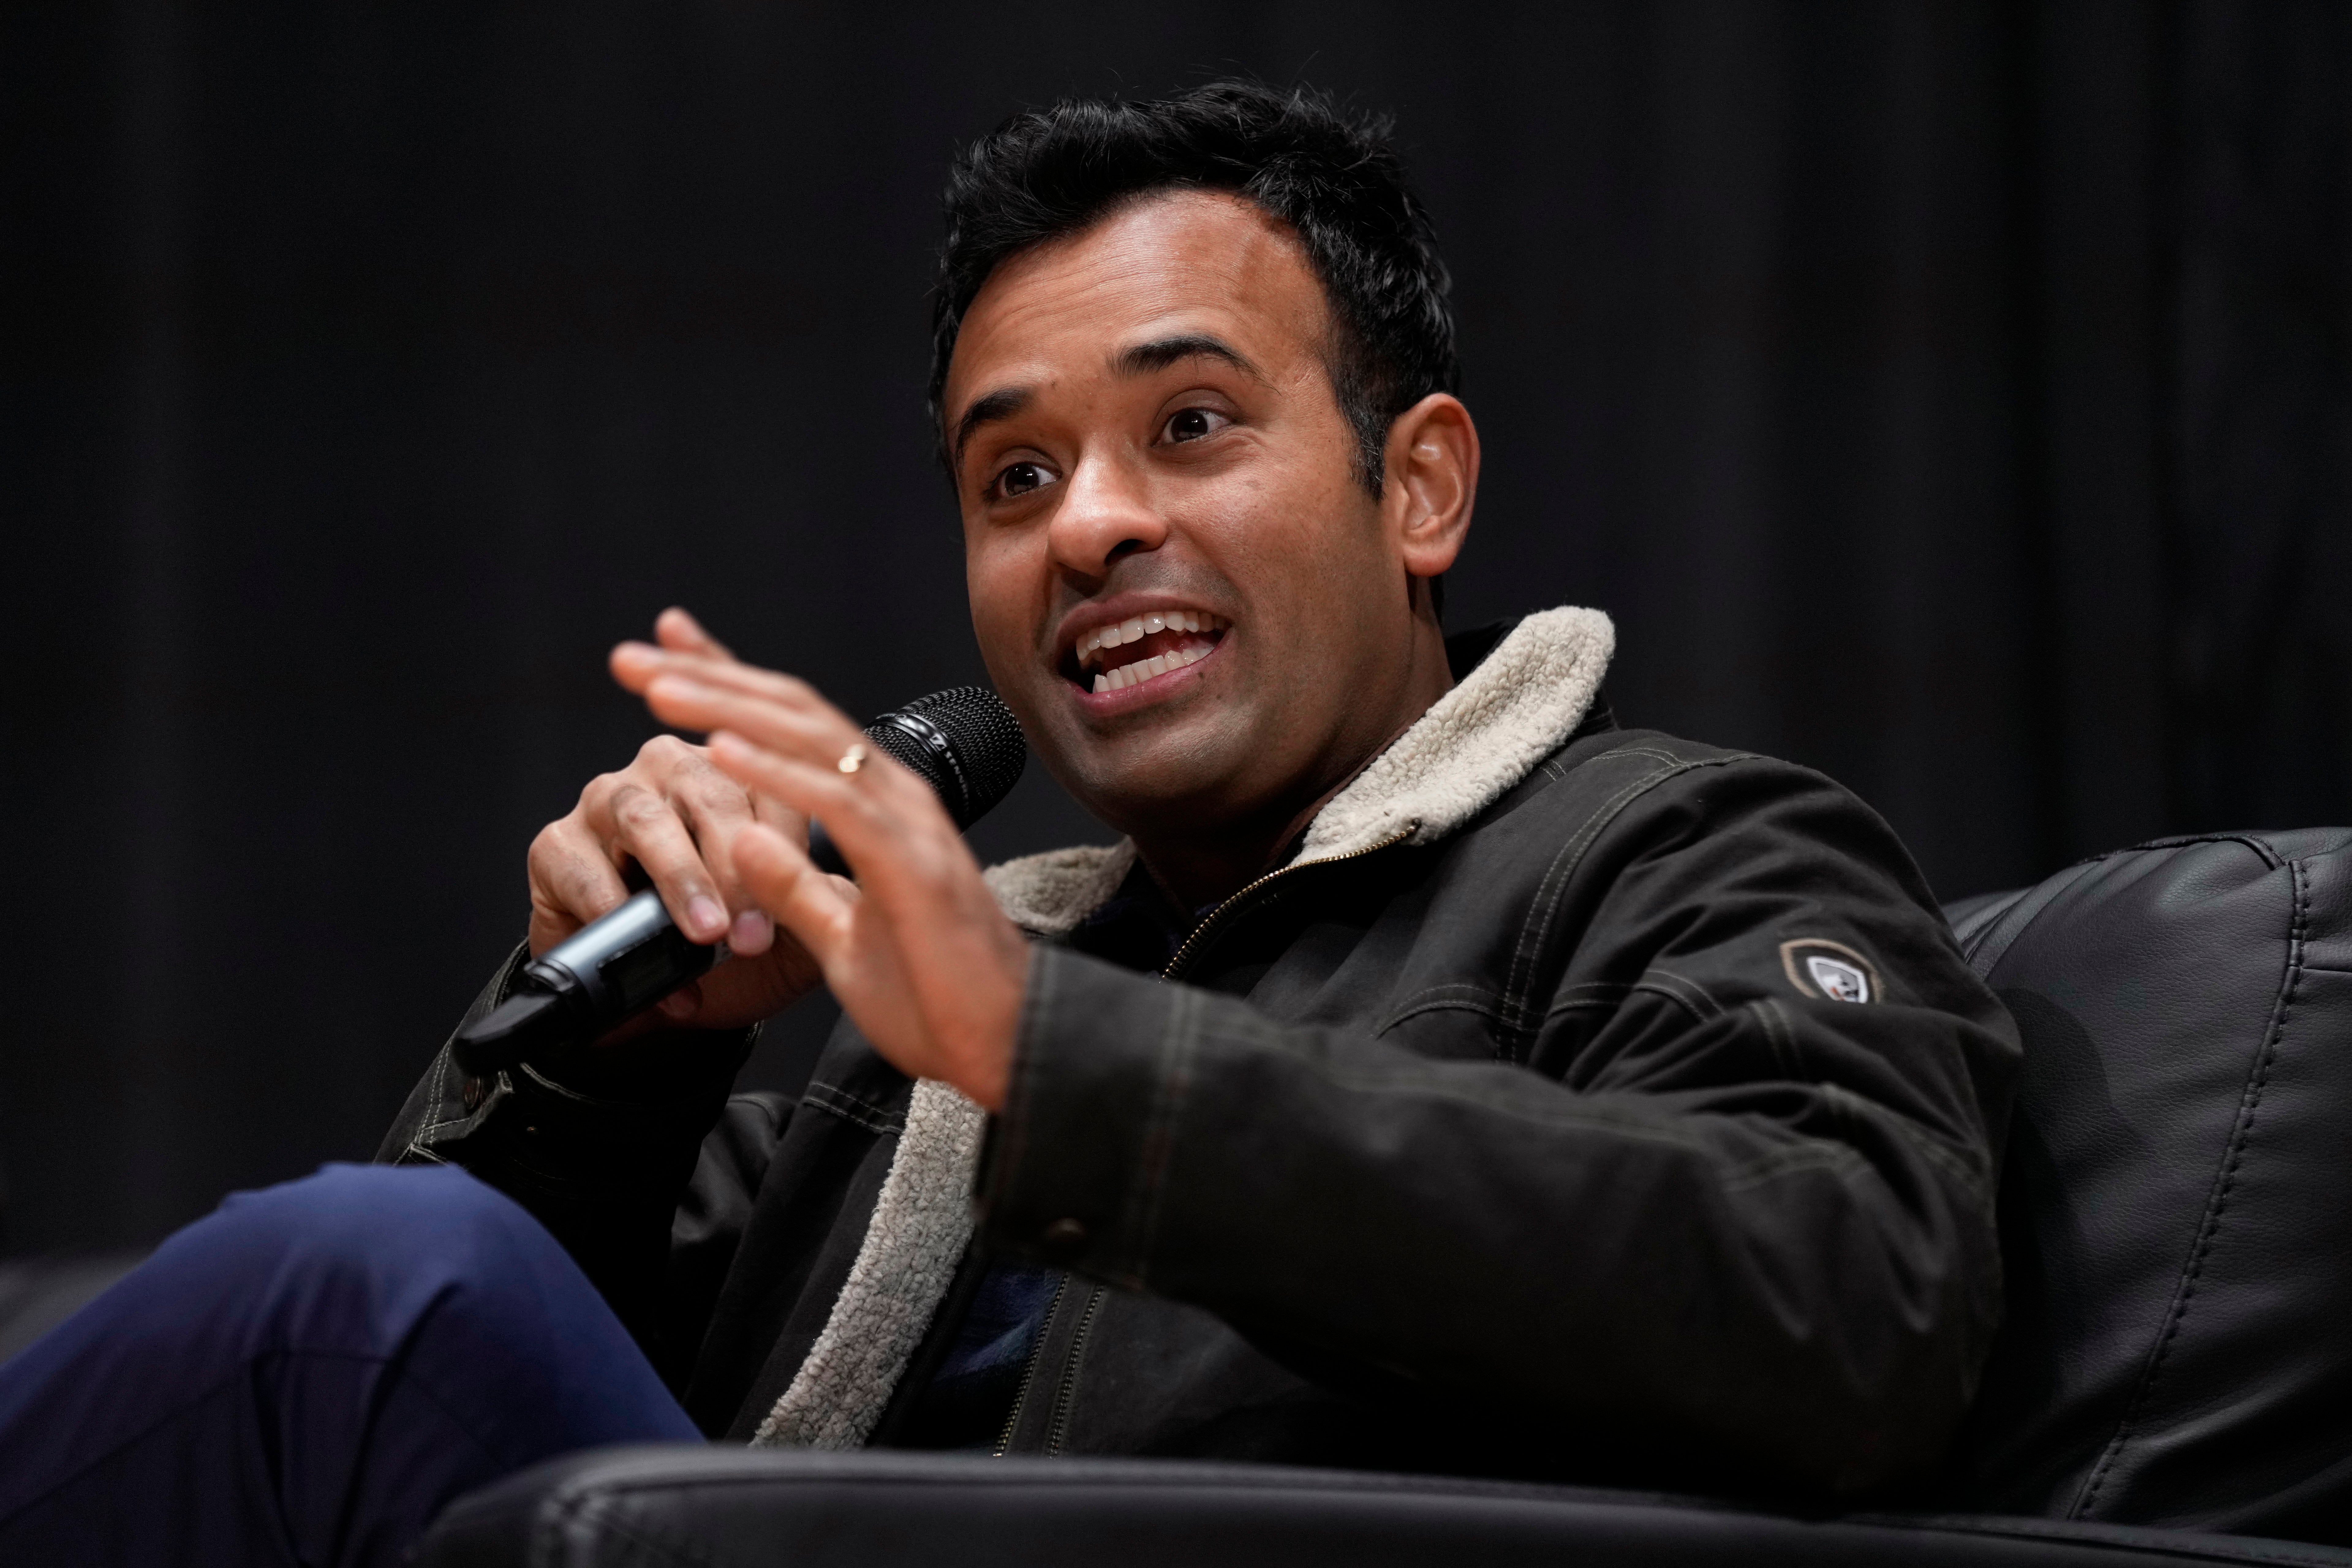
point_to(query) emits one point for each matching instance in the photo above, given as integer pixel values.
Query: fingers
(889, 825)
(815, 907)
(676, 815)
(917, 951)
(636, 665)
(573, 881)
(676, 629)
(808, 729)
(715, 810)
(647, 829)
(782, 818)
(881, 799)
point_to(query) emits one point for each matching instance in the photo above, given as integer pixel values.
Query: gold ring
(854, 758)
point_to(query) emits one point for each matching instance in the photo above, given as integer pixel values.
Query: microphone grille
(964, 742)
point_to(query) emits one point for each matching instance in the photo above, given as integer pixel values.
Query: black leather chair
(2173, 1384)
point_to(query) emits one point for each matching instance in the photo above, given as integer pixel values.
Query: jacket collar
(1511, 711)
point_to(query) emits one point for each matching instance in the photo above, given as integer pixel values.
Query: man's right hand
(676, 817)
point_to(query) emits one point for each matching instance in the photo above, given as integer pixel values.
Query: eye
(1192, 423)
(1018, 479)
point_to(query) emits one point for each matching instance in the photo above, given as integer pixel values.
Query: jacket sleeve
(1694, 1200)
(642, 1166)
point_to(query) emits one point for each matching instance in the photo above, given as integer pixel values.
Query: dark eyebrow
(1138, 360)
(1142, 359)
(1002, 403)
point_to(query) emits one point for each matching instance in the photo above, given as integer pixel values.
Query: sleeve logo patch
(1819, 967)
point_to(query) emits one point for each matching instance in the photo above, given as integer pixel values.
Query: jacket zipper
(1192, 943)
(1029, 1373)
(1066, 1394)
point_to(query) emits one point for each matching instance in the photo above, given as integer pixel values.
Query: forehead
(1186, 261)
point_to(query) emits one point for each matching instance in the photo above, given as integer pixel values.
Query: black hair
(1333, 176)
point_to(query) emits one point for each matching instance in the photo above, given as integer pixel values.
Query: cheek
(1001, 594)
(1304, 541)
(1008, 582)
(1271, 524)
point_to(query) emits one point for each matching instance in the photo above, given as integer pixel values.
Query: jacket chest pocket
(1457, 1023)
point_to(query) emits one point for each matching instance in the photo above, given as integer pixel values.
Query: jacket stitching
(2234, 1156)
(1485, 1006)
(1172, 1087)
(1570, 854)
(1564, 863)
(1586, 1005)
(440, 1099)
(1022, 1097)
(1481, 1004)
(1783, 1033)
(1589, 993)
(467, 1122)
(501, 985)
(1585, 996)
(850, 1108)
(1664, 755)
(1576, 1111)
(1536, 930)
(1457, 997)
(1689, 993)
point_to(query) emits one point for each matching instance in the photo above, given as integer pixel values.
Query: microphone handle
(612, 968)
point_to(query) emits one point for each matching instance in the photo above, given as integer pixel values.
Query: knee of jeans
(388, 1222)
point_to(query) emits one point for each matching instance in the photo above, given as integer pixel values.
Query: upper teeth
(1135, 627)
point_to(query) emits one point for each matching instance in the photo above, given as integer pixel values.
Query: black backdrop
(1951, 396)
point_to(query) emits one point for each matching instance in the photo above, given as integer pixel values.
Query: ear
(1431, 483)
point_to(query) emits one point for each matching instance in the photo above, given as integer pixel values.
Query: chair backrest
(2176, 1206)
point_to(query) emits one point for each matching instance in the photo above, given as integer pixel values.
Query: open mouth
(1127, 653)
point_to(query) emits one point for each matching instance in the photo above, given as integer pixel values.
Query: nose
(1105, 515)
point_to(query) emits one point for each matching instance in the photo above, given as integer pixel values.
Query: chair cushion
(690, 1506)
(2176, 1207)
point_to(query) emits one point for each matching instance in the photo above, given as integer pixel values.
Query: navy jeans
(309, 1375)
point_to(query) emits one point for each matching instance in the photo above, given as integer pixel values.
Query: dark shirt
(970, 1399)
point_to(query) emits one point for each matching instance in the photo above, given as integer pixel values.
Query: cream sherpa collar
(1474, 744)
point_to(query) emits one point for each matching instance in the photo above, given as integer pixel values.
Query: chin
(1142, 780)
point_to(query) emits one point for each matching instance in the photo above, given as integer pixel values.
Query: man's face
(1147, 445)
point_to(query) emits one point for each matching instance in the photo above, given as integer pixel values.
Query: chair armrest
(654, 1506)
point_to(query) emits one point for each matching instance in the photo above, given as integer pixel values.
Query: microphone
(964, 742)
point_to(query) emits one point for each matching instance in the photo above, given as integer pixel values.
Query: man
(1435, 1075)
